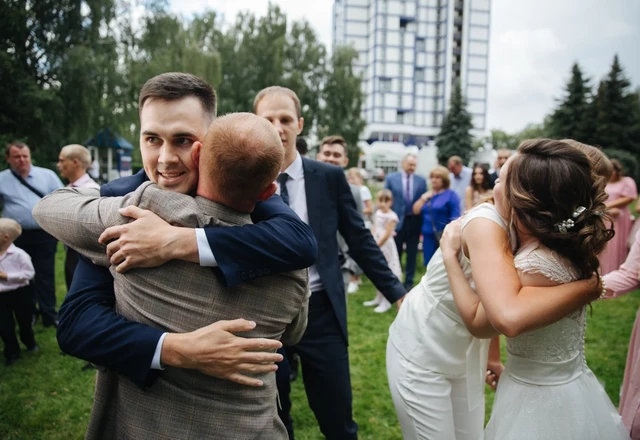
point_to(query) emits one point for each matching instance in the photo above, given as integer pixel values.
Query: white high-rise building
(411, 52)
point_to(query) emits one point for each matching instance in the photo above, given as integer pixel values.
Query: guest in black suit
(320, 195)
(503, 155)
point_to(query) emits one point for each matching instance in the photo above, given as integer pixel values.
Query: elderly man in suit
(407, 187)
(238, 162)
(320, 195)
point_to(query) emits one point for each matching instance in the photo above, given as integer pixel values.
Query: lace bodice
(564, 339)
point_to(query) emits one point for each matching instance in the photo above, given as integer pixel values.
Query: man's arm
(362, 246)
(294, 331)
(90, 329)
(278, 242)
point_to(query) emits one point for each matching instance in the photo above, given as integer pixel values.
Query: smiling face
(333, 154)
(280, 110)
(168, 130)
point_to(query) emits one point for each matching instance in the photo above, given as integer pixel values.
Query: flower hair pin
(567, 224)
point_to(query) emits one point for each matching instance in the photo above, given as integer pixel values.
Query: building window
(400, 117)
(419, 74)
(385, 84)
(421, 45)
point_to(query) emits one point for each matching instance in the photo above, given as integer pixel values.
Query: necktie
(407, 197)
(284, 192)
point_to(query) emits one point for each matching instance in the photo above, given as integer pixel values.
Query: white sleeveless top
(428, 330)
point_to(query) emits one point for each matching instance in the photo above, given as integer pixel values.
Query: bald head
(73, 162)
(240, 158)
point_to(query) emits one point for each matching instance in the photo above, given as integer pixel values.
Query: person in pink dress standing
(624, 280)
(622, 191)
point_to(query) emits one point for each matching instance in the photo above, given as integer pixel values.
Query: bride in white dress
(546, 390)
(435, 366)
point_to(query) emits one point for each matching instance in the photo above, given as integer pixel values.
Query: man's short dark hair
(330, 140)
(301, 145)
(176, 85)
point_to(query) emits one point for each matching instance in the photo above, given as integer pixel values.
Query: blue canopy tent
(110, 140)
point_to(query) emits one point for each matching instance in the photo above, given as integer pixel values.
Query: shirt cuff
(155, 363)
(204, 250)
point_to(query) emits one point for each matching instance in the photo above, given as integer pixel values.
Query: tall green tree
(618, 114)
(572, 117)
(455, 138)
(342, 98)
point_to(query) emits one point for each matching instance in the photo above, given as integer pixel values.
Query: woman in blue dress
(438, 207)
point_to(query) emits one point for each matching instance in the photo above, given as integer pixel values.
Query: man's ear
(195, 153)
(268, 192)
(300, 125)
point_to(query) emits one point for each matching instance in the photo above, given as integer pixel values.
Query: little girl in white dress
(384, 225)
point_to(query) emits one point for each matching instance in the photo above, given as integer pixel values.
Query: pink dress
(621, 281)
(616, 250)
(389, 250)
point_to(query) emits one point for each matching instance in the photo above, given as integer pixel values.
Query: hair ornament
(579, 210)
(564, 225)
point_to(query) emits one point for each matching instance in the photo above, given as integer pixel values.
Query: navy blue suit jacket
(89, 327)
(393, 183)
(332, 208)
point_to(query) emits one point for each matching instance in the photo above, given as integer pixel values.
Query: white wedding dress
(546, 390)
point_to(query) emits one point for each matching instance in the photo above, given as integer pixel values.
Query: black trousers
(409, 235)
(324, 358)
(41, 247)
(70, 263)
(16, 303)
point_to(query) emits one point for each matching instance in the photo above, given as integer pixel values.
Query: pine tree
(618, 114)
(573, 117)
(454, 138)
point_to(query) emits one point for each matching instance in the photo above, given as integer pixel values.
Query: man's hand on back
(148, 241)
(216, 351)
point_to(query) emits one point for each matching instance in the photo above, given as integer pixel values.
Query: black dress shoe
(11, 360)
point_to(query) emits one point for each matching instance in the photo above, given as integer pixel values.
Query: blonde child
(384, 225)
(16, 271)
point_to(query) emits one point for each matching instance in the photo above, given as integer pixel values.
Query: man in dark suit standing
(407, 187)
(320, 195)
(503, 156)
(176, 110)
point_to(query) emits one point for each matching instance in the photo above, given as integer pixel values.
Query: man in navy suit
(320, 195)
(176, 110)
(407, 187)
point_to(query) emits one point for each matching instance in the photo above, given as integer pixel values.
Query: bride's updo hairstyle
(547, 184)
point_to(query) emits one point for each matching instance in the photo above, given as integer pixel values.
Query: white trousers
(430, 405)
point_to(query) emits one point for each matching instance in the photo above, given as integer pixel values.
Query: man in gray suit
(238, 162)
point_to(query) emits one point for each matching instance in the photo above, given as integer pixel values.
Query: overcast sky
(533, 44)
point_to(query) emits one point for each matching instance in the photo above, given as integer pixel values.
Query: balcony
(459, 6)
(457, 21)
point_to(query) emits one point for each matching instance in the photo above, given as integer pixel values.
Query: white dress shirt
(298, 202)
(16, 263)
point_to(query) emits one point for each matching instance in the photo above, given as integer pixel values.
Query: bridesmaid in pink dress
(622, 191)
(619, 282)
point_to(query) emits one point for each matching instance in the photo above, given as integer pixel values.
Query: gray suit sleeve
(77, 217)
(294, 331)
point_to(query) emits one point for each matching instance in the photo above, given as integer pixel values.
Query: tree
(572, 118)
(454, 138)
(617, 112)
(342, 97)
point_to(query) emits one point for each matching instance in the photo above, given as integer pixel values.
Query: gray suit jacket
(180, 297)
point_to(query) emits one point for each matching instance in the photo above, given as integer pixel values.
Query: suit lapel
(312, 188)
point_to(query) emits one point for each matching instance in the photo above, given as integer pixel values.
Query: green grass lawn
(47, 396)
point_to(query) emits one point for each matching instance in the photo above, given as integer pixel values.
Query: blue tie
(284, 192)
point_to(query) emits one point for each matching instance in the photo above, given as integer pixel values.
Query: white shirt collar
(295, 170)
